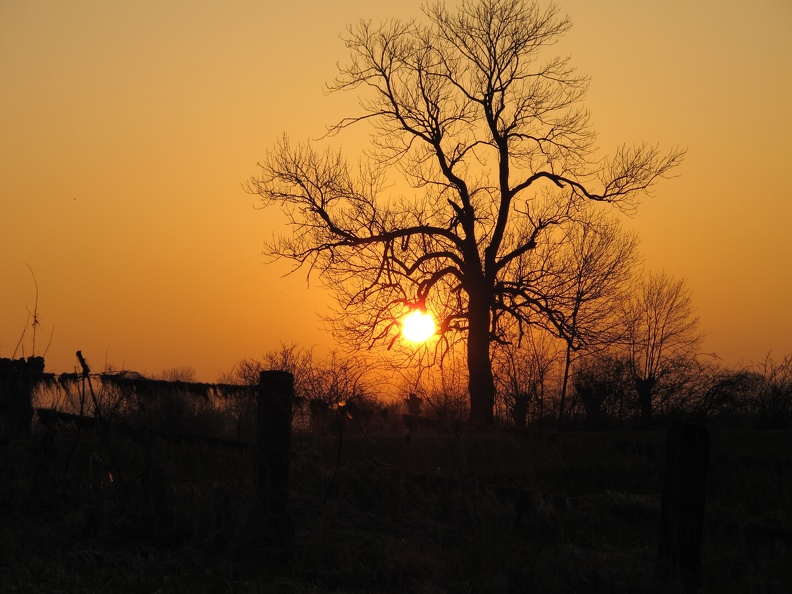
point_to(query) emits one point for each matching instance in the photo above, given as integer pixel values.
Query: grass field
(487, 512)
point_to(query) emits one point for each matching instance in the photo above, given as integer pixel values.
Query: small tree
(337, 380)
(442, 388)
(498, 151)
(524, 370)
(773, 396)
(603, 384)
(662, 338)
(592, 281)
(713, 391)
(183, 373)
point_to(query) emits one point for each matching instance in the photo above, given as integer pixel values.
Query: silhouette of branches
(498, 152)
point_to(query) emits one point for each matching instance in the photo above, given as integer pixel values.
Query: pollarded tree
(524, 374)
(663, 336)
(497, 149)
(596, 262)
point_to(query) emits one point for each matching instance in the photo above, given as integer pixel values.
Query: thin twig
(35, 309)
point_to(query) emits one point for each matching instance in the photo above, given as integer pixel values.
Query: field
(83, 511)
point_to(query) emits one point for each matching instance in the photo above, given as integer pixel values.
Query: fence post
(269, 528)
(273, 434)
(18, 381)
(684, 496)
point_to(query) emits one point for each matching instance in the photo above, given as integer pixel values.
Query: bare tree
(524, 372)
(498, 151)
(603, 383)
(772, 401)
(321, 383)
(663, 336)
(182, 373)
(336, 378)
(591, 280)
(241, 404)
(443, 389)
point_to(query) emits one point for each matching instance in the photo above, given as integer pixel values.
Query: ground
(481, 512)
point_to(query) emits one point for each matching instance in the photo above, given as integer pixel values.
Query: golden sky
(128, 128)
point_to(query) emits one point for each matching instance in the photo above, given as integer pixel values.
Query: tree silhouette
(662, 338)
(522, 374)
(498, 152)
(593, 273)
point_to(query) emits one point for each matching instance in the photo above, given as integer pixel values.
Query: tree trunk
(564, 386)
(592, 396)
(480, 383)
(645, 389)
(520, 410)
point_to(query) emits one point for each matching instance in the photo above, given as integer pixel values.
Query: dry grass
(484, 513)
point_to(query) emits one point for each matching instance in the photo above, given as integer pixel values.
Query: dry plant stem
(21, 339)
(35, 311)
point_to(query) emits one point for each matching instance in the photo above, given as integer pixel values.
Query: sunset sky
(127, 130)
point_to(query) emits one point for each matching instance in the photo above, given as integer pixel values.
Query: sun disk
(418, 326)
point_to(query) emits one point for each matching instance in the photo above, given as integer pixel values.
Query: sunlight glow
(418, 326)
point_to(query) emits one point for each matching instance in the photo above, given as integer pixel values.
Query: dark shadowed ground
(488, 512)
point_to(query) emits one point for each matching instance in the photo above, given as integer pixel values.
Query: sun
(418, 326)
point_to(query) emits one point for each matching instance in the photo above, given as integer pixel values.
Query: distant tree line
(606, 390)
(606, 386)
(635, 362)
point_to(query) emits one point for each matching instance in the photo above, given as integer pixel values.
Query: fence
(268, 524)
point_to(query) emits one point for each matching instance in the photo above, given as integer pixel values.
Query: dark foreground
(577, 512)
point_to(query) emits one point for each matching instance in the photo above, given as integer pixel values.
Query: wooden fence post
(18, 381)
(268, 529)
(273, 434)
(684, 496)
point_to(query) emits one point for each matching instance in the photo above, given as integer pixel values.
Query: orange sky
(128, 128)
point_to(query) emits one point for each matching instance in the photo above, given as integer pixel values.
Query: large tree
(497, 149)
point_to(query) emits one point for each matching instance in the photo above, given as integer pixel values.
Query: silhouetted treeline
(341, 391)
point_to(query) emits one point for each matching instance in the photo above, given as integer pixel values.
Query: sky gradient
(127, 131)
